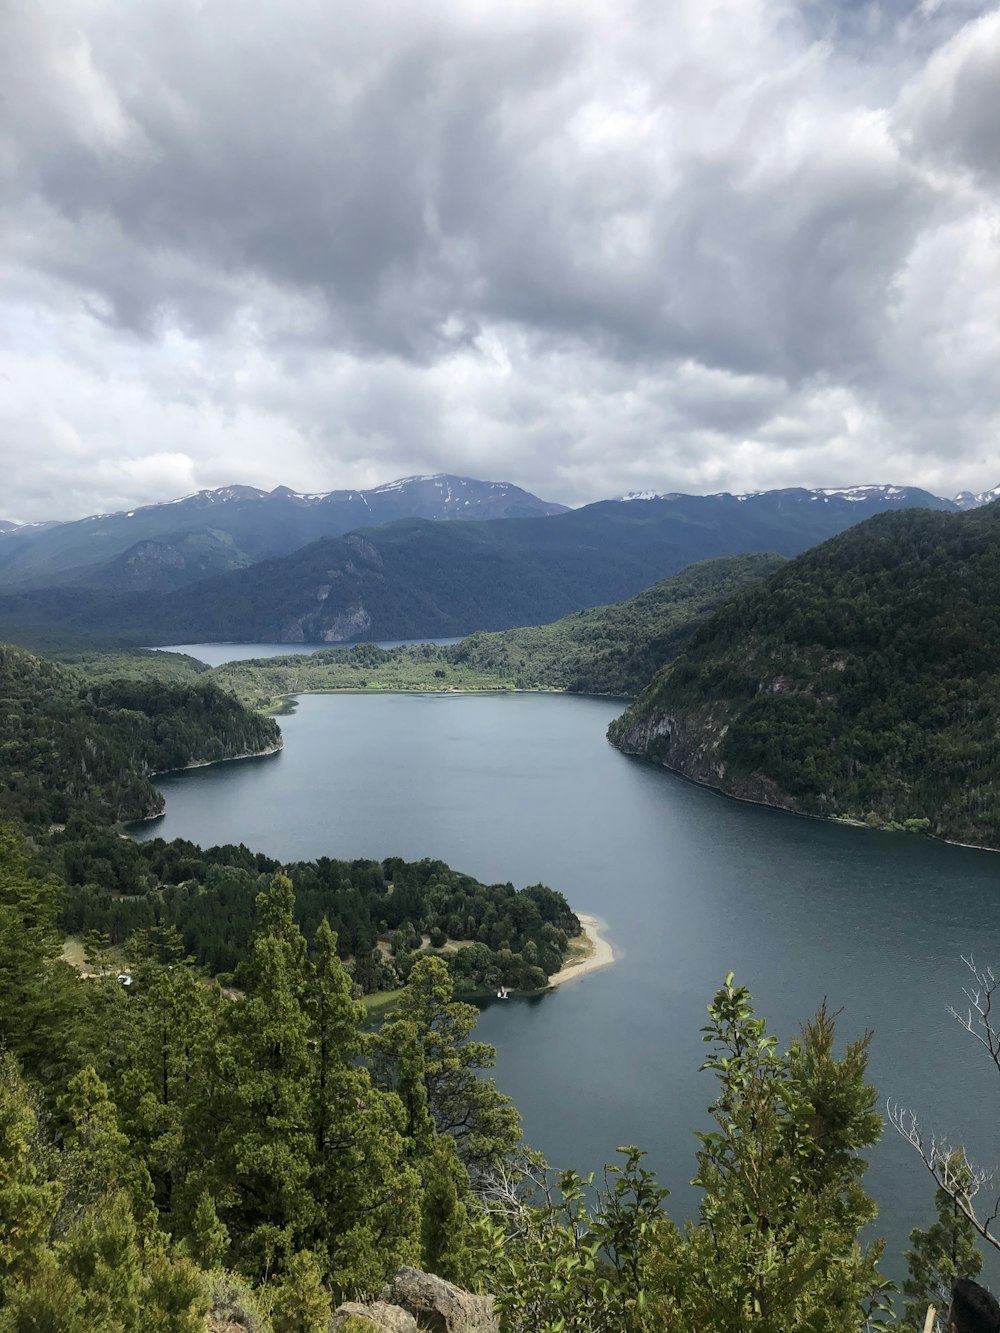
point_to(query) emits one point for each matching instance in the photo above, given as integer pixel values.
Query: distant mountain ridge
(409, 578)
(902, 497)
(167, 545)
(420, 579)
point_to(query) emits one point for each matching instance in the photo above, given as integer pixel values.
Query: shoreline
(599, 954)
(226, 759)
(790, 810)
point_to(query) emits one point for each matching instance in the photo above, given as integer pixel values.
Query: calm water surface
(691, 885)
(215, 654)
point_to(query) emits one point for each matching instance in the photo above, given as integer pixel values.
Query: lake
(215, 654)
(692, 885)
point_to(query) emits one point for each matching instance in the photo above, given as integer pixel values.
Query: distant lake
(215, 654)
(526, 788)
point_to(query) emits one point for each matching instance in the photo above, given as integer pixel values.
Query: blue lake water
(526, 788)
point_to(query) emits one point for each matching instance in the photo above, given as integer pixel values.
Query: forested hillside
(72, 746)
(614, 649)
(604, 650)
(862, 680)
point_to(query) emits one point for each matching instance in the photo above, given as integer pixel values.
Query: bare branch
(978, 1018)
(952, 1171)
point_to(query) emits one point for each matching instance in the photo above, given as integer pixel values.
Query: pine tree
(207, 1239)
(364, 1190)
(446, 1232)
(300, 1303)
(101, 1253)
(482, 1121)
(265, 1146)
(97, 1159)
(163, 1090)
(28, 1201)
(41, 1004)
(946, 1250)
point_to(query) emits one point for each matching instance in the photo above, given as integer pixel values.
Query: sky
(585, 247)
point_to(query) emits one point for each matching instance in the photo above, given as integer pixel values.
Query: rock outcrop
(352, 1317)
(414, 1301)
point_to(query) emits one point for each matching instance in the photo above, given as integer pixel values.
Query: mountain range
(237, 564)
(167, 545)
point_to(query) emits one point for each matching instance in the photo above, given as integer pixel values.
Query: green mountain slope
(423, 579)
(605, 650)
(69, 746)
(614, 649)
(861, 680)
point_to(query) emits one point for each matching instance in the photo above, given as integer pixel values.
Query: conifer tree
(28, 1201)
(364, 1191)
(482, 1121)
(97, 1158)
(41, 1005)
(207, 1239)
(776, 1245)
(163, 1092)
(300, 1303)
(446, 1233)
(265, 1147)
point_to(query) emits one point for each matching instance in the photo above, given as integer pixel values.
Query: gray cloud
(692, 246)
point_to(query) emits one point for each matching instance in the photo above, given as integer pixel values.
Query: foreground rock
(378, 1316)
(419, 1301)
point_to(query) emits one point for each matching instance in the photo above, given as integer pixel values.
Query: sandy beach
(599, 952)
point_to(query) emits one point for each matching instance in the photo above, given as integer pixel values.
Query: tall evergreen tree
(164, 1092)
(41, 1007)
(364, 1190)
(28, 1200)
(265, 1145)
(482, 1121)
(97, 1158)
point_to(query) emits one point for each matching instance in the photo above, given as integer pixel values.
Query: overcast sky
(586, 247)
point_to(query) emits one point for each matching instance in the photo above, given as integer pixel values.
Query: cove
(691, 885)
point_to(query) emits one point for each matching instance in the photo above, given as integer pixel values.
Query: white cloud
(700, 246)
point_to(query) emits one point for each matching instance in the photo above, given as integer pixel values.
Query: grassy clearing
(380, 1003)
(72, 952)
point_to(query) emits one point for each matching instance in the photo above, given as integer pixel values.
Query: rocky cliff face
(691, 744)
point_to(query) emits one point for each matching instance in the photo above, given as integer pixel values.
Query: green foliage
(567, 1258)
(861, 680)
(492, 933)
(207, 1242)
(776, 1245)
(429, 1026)
(135, 664)
(28, 1201)
(69, 748)
(41, 1007)
(300, 1303)
(262, 1152)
